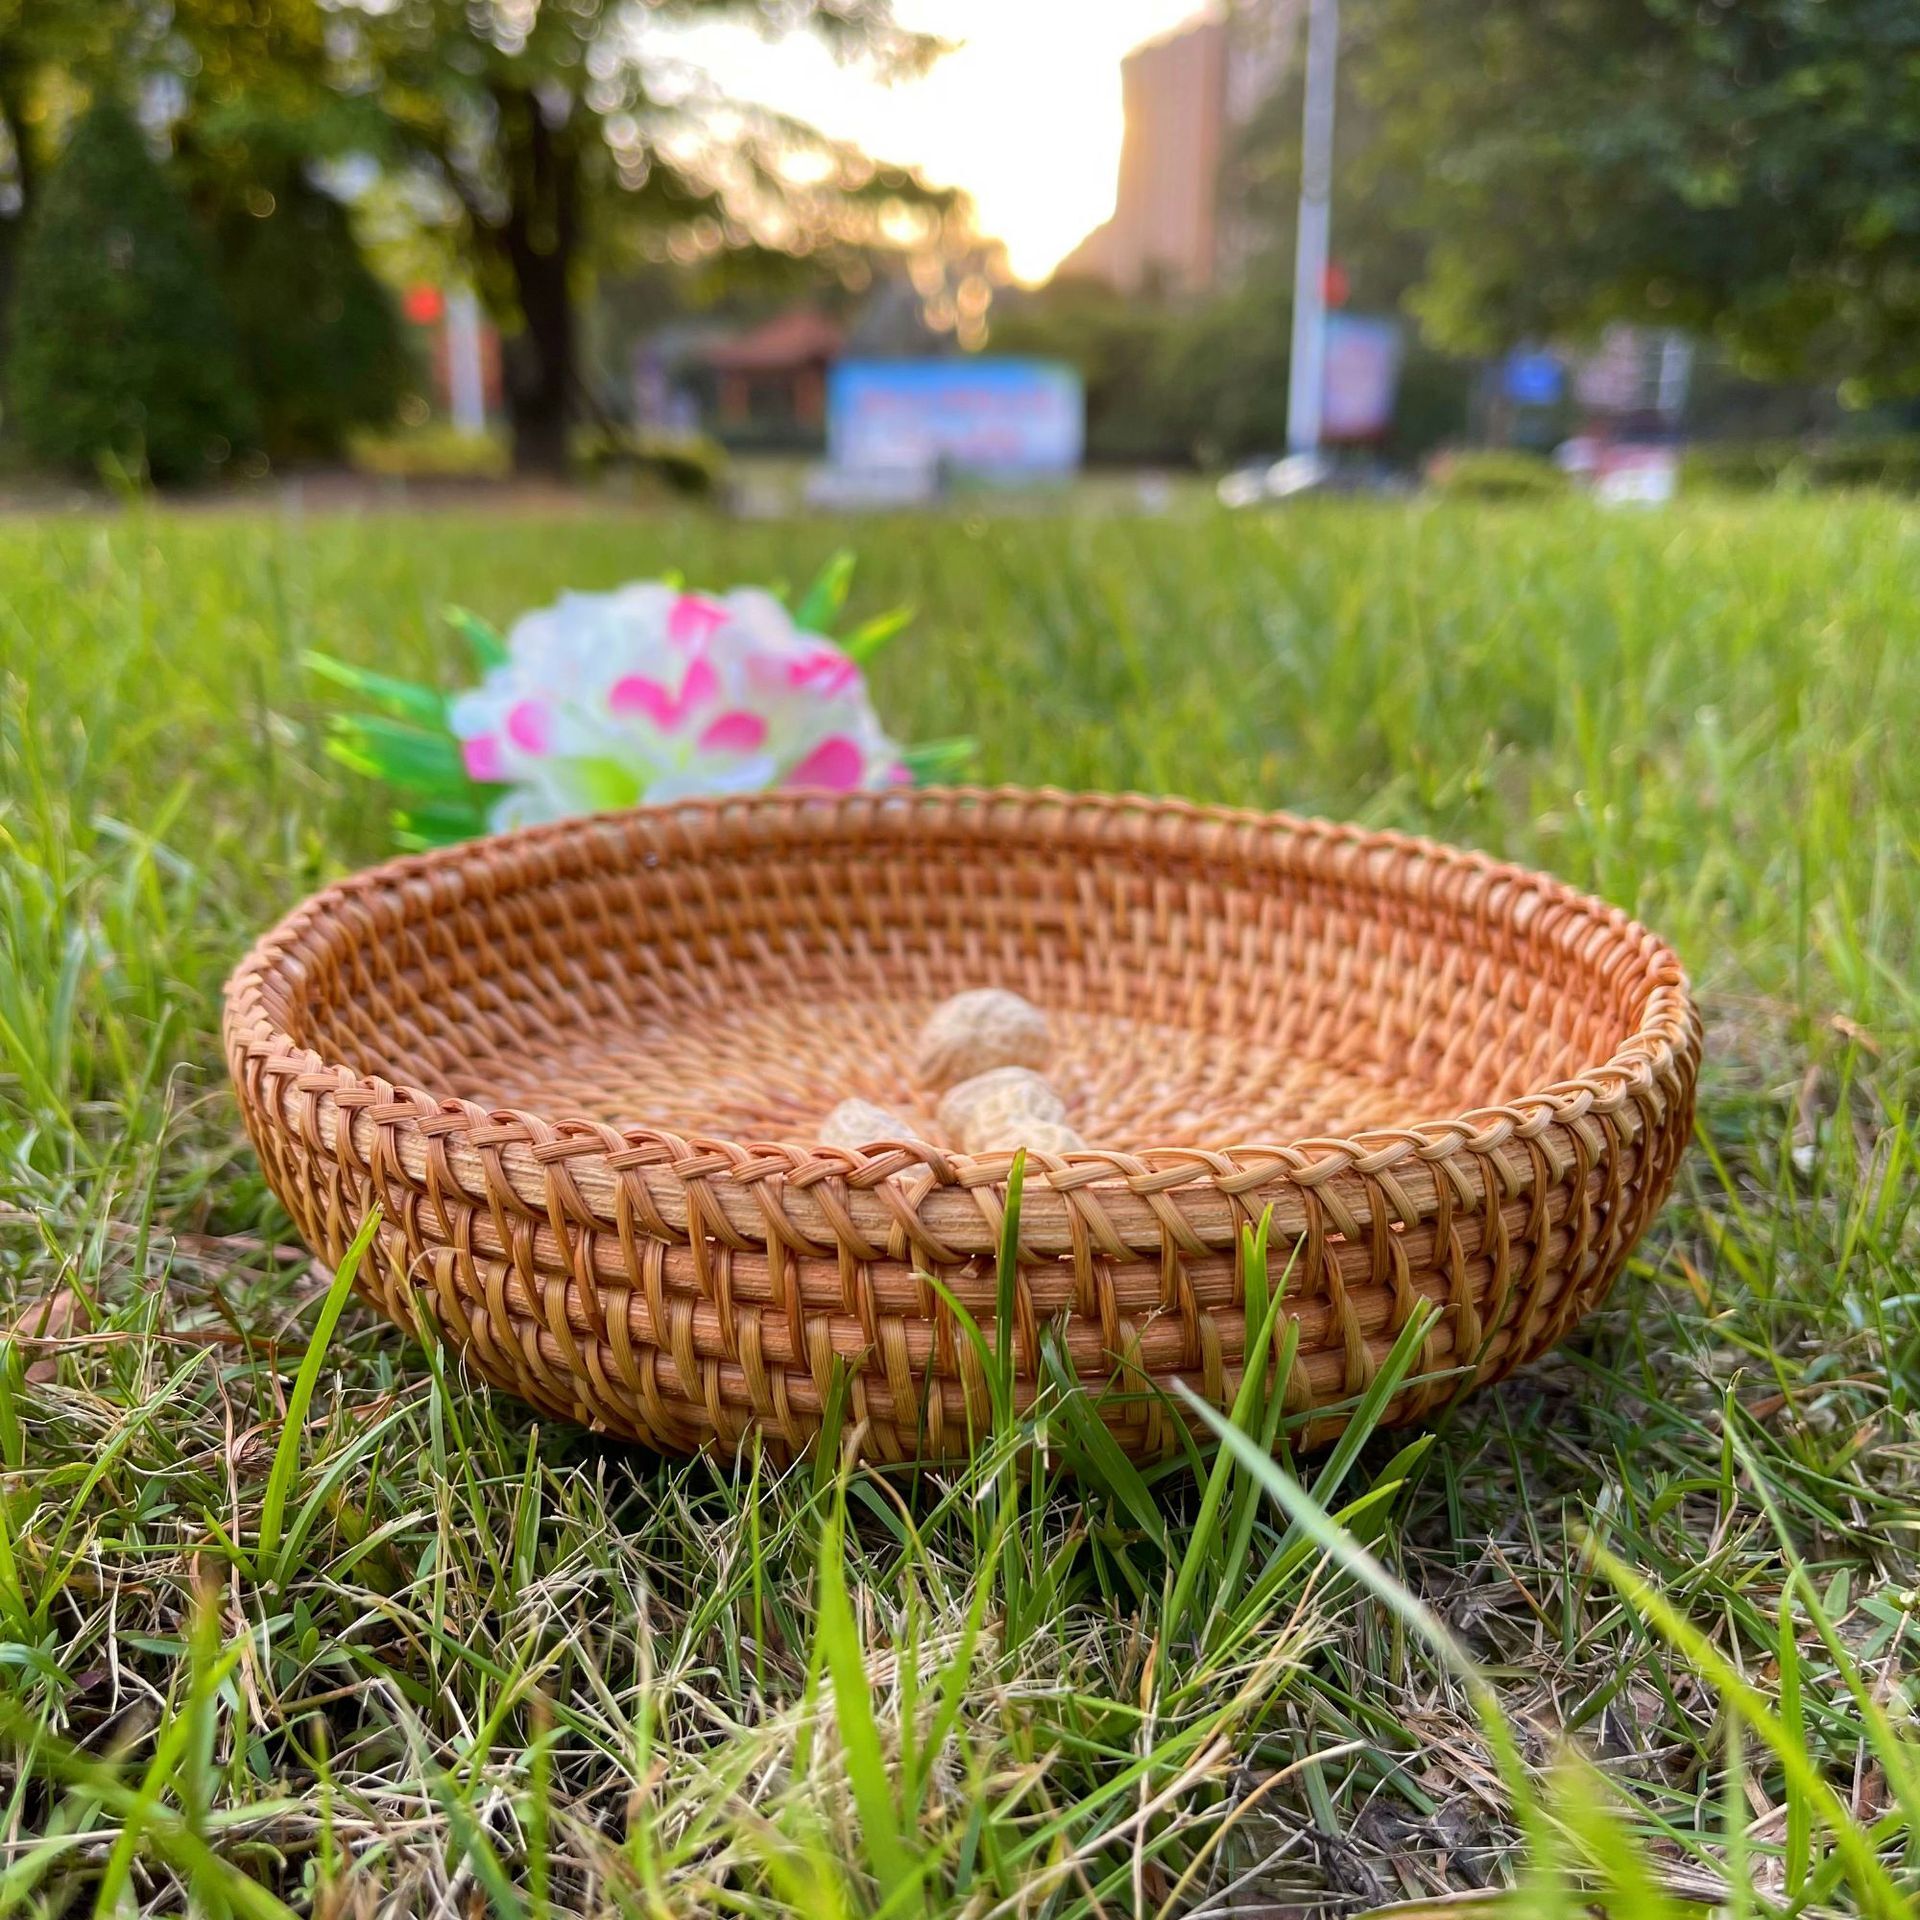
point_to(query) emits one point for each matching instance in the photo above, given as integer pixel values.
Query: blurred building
(1186, 96)
(759, 380)
(771, 382)
(762, 385)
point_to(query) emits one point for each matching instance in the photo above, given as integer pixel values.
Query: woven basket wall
(577, 1069)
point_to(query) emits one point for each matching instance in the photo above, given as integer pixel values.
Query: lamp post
(1307, 366)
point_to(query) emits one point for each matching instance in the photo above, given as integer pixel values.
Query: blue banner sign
(1533, 379)
(1002, 418)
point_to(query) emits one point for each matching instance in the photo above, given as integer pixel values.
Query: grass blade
(888, 1848)
(1870, 1879)
(1201, 1543)
(286, 1457)
(1100, 1458)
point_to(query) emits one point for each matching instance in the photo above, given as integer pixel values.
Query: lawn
(1639, 1620)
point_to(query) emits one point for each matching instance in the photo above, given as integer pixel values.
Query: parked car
(1260, 482)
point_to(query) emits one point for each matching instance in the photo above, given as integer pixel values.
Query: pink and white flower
(651, 693)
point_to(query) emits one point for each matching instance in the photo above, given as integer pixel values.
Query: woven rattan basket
(578, 1068)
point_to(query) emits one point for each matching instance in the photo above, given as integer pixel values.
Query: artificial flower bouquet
(650, 693)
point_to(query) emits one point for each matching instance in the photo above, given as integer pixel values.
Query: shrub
(436, 451)
(1138, 359)
(120, 345)
(1434, 402)
(319, 337)
(1744, 466)
(693, 467)
(1497, 474)
(1889, 462)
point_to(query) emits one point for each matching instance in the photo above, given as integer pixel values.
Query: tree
(566, 139)
(47, 48)
(261, 109)
(120, 345)
(1744, 170)
(236, 75)
(1121, 345)
(318, 334)
(1379, 256)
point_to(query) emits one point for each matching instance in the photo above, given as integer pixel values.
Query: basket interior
(738, 974)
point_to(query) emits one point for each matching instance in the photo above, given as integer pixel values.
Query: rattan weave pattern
(577, 1067)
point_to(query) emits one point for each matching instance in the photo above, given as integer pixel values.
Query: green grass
(1638, 1624)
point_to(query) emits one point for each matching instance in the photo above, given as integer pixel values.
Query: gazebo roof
(796, 338)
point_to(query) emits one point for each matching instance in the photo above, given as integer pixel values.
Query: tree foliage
(1202, 382)
(1378, 254)
(120, 345)
(1749, 169)
(49, 51)
(319, 336)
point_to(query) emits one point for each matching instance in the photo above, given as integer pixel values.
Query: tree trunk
(539, 239)
(538, 369)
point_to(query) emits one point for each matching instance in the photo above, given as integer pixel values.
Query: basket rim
(1665, 1041)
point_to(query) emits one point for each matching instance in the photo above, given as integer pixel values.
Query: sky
(1024, 115)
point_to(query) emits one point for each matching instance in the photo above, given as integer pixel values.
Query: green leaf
(1315, 1527)
(1798, 1843)
(959, 1668)
(13, 1374)
(401, 755)
(438, 823)
(483, 640)
(1295, 1545)
(871, 635)
(605, 784)
(13, 1595)
(932, 761)
(1267, 1410)
(158, 1827)
(820, 605)
(405, 697)
(470, 1843)
(1393, 1370)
